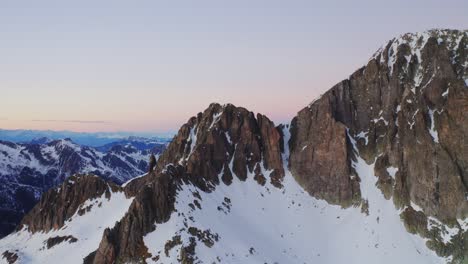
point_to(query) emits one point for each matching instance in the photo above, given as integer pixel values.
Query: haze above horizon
(118, 66)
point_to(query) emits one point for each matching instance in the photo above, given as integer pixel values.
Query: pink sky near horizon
(100, 67)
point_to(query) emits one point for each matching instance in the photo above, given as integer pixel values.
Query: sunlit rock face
(407, 109)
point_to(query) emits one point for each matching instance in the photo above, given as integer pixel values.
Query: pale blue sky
(150, 65)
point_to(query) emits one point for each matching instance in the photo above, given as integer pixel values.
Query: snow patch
(414, 121)
(376, 120)
(216, 118)
(228, 137)
(363, 135)
(137, 177)
(446, 232)
(432, 130)
(392, 171)
(445, 94)
(416, 207)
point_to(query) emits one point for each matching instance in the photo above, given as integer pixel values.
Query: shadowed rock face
(408, 105)
(320, 157)
(221, 137)
(153, 204)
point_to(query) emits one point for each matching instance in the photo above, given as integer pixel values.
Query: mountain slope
(372, 171)
(245, 222)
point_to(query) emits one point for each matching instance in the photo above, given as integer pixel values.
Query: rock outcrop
(153, 204)
(59, 204)
(225, 136)
(406, 108)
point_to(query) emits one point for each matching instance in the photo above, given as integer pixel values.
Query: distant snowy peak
(62, 144)
(40, 140)
(154, 145)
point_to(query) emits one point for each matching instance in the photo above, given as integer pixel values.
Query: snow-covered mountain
(373, 171)
(27, 170)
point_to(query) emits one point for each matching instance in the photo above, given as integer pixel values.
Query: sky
(150, 65)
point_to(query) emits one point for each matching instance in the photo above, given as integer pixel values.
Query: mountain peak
(225, 137)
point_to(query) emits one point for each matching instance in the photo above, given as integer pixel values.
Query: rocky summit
(373, 171)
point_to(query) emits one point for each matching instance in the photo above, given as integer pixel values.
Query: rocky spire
(152, 163)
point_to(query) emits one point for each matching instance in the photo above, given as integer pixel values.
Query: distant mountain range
(88, 139)
(29, 169)
(140, 143)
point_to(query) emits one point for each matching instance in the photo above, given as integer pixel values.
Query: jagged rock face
(153, 204)
(224, 136)
(408, 105)
(59, 204)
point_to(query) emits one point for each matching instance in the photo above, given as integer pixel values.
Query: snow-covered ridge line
(129, 181)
